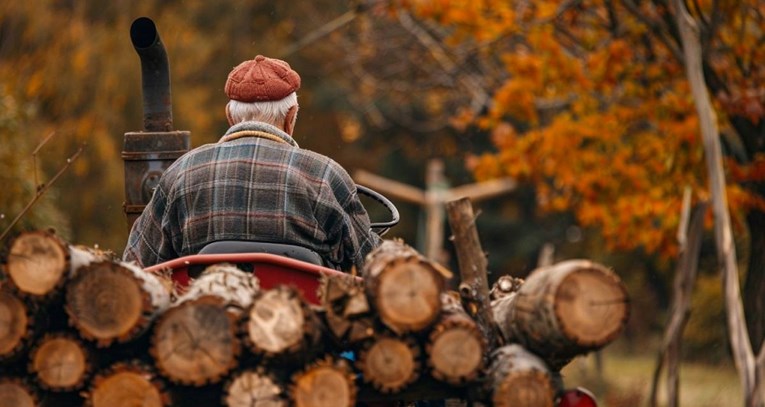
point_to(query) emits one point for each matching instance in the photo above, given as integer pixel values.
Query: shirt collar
(257, 129)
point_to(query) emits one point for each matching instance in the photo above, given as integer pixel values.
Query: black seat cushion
(281, 249)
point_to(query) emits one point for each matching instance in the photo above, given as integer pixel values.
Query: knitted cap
(261, 79)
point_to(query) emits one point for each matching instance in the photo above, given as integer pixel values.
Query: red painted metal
(270, 269)
(578, 397)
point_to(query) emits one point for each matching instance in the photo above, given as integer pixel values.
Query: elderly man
(255, 184)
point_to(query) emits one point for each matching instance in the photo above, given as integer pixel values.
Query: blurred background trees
(584, 102)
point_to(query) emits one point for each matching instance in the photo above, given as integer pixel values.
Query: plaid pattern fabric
(253, 188)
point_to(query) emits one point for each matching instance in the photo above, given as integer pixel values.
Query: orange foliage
(609, 126)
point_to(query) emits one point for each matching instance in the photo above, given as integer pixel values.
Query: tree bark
(347, 311)
(327, 383)
(109, 301)
(565, 310)
(518, 378)
(126, 385)
(404, 286)
(390, 364)
(60, 363)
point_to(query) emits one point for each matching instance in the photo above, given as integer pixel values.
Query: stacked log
(100, 332)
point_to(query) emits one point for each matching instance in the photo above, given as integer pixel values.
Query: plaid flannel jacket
(253, 186)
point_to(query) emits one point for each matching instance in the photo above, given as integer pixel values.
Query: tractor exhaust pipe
(155, 75)
(148, 153)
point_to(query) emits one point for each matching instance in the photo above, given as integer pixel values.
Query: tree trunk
(328, 383)
(108, 301)
(518, 378)
(565, 310)
(390, 364)
(126, 385)
(754, 284)
(60, 363)
(404, 286)
(455, 346)
(254, 388)
(279, 323)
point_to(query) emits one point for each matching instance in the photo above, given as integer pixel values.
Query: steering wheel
(381, 228)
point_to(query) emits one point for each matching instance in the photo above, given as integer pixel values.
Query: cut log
(15, 323)
(456, 345)
(348, 313)
(564, 310)
(195, 342)
(404, 286)
(280, 323)
(390, 364)
(60, 362)
(15, 393)
(254, 388)
(126, 385)
(327, 383)
(108, 301)
(38, 263)
(234, 286)
(519, 378)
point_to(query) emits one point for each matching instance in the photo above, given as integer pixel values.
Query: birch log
(127, 385)
(404, 286)
(279, 323)
(195, 341)
(110, 301)
(519, 378)
(254, 388)
(564, 310)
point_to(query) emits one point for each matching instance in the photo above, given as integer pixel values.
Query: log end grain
(38, 263)
(126, 386)
(60, 363)
(277, 322)
(389, 364)
(254, 388)
(14, 324)
(15, 393)
(325, 384)
(528, 389)
(195, 342)
(105, 302)
(456, 353)
(591, 306)
(407, 295)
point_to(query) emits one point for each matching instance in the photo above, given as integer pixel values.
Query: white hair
(273, 112)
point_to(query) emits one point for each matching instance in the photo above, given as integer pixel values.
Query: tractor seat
(280, 249)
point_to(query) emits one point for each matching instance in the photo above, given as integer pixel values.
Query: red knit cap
(261, 79)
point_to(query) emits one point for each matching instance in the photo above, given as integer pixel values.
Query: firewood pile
(80, 327)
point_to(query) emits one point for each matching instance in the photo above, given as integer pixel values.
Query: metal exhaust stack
(148, 153)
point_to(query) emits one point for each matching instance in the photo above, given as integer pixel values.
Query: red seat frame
(270, 269)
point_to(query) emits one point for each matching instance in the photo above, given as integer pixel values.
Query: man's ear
(290, 119)
(228, 116)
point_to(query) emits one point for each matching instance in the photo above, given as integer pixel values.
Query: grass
(625, 380)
